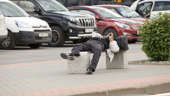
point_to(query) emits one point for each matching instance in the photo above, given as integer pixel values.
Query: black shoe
(77, 55)
(89, 71)
(65, 56)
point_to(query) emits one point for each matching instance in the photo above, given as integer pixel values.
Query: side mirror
(37, 10)
(147, 15)
(98, 18)
(140, 12)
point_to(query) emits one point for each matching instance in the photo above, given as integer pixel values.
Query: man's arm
(113, 44)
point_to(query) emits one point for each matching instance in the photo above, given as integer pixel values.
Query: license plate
(89, 30)
(43, 34)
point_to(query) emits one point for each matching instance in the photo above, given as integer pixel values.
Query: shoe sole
(64, 56)
(89, 73)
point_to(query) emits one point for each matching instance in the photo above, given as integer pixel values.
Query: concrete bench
(81, 63)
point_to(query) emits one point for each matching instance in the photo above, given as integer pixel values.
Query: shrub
(155, 37)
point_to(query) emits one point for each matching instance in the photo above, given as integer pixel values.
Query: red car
(107, 21)
(125, 12)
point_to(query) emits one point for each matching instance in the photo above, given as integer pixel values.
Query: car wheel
(57, 37)
(111, 30)
(9, 42)
(132, 41)
(35, 46)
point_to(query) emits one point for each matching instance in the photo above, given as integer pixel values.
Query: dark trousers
(96, 47)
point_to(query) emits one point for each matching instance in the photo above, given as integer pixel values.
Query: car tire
(111, 30)
(57, 37)
(9, 42)
(35, 46)
(132, 41)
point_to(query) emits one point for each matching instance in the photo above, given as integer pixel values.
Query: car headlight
(21, 24)
(46, 25)
(122, 25)
(72, 19)
(125, 34)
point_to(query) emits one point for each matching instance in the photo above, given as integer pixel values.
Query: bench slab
(81, 63)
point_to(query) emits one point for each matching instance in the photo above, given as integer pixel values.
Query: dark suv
(65, 25)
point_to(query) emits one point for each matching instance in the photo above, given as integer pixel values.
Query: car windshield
(11, 10)
(161, 6)
(126, 12)
(51, 5)
(106, 13)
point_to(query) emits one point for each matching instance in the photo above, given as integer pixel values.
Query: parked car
(125, 12)
(134, 4)
(3, 30)
(65, 24)
(107, 21)
(23, 29)
(70, 3)
(151, 8)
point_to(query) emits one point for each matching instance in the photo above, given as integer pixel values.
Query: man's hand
(111, 36)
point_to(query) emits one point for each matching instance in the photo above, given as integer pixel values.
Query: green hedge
(155, 37)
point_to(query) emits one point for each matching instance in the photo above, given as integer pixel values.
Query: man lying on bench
(96, 45)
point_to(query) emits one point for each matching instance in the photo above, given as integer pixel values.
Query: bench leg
(119, 61)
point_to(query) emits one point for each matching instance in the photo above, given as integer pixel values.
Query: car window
(83, 12)
(107, 13)
(144, 8)
(161, 5)
(113, 10)
(11, 10)
(52, 6)
(127, 12)
(27, 6)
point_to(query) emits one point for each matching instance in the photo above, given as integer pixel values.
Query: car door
(3, 31)
(144, 9)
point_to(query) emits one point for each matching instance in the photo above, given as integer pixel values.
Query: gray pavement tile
(38, 77)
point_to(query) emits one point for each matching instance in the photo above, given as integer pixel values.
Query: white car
(23, 29)
(134, 4)
(151, 8)
(3, 31)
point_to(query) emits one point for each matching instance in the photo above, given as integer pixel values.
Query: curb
(150, 62)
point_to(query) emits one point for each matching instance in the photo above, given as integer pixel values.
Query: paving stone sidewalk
(50, 78)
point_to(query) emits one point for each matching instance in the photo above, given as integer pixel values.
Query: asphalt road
(22, 55)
